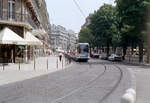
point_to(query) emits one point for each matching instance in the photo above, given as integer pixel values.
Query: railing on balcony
(16, 17)
(35, 8)
(31, 22)
(13, 16)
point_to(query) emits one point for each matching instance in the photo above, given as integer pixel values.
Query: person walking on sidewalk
(60, 56)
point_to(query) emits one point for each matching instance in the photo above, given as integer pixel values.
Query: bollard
(62, 64)
(34, 63)
(132, 91)
(57, 64)
(19, 65)
(3, 67)
(47, 64)
(128, 97)
(65, 61)
(69, 60)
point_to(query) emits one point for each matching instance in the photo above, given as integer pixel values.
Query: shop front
(11, 46)
(14, 48)
(33, 45)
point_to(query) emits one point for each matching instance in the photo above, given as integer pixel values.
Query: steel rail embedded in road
(83, 87)
(94, 80)
(88, 84)
(118, 82)
(115, 86)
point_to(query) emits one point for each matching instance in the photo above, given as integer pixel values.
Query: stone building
(62, 38)
(72, 39)
(23, 17)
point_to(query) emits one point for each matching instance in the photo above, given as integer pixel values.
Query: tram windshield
(83, 48)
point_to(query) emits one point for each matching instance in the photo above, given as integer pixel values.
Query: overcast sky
(65, 12)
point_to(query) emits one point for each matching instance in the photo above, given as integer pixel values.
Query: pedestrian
(60, 56)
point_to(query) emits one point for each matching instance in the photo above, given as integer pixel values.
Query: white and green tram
(82, 53)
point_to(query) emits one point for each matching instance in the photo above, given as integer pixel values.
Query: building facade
(72, 40)
(22, 16)
(62, 38)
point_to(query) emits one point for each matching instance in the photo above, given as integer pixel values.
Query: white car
(95, 55)
(114, 57)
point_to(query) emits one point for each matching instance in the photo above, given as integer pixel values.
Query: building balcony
(40, 33)
(18, 19)
(32, 6)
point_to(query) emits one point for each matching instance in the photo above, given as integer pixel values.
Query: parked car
(115, 57)
(95, 55)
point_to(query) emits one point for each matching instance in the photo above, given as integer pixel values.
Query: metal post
(69, 60)
(26, 54)
(47, 63)
(65, 61)
(62, 64)
(19, 65)
(34, 63)
(3, 67)
(57, 63)
(129, 58)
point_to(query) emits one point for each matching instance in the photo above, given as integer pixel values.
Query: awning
(7, 36)
(32, 40)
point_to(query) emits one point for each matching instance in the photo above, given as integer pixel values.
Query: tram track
(115, 86)
(94, 80)
(118, 82)
(83, 87)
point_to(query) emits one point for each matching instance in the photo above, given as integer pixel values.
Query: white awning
(32, 40)
(7, 36)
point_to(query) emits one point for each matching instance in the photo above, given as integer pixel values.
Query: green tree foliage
(85, 36)
(104, 26)
(133, 14)
(121, 25)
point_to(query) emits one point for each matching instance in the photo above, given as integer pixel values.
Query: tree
(85, 36)
(103, 25)
(133, 17)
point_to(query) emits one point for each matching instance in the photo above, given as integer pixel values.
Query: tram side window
(86, 49)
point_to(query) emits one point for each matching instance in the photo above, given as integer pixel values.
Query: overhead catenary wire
(79, 8)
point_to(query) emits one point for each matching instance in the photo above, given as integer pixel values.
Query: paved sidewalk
(11, 72)
(142, 74)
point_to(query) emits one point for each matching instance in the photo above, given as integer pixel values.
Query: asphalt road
(93, 82)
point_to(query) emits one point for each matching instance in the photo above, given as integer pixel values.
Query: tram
(82, 53)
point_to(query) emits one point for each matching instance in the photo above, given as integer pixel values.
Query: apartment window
(1, 8)
(11, 9)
